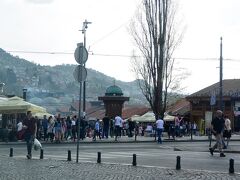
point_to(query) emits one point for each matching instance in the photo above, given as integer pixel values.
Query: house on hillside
(205, 102)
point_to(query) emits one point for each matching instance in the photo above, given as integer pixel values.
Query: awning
(150, 117)
(18, 105)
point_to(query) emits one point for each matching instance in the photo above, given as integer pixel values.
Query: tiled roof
(129, 111)
(181, 107)
(231, 87)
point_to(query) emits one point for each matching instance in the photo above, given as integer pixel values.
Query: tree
(156, 38)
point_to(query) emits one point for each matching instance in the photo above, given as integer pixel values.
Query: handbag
(37, 145)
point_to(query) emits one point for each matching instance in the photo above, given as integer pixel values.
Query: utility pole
(84, 28)
(221, 78)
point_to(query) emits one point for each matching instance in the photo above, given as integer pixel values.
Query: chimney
(25, 94)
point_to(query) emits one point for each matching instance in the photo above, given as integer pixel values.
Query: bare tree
(156, 38)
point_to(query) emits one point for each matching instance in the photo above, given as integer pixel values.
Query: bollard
(178, 165)
(134, 163)
(11, 152)
(231, 166)
(69, 156)
(41, 154)
(99, 157)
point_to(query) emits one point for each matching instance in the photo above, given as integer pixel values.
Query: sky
(53, 26)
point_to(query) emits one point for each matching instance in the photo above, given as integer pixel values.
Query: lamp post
(84, 28)
(221, 77)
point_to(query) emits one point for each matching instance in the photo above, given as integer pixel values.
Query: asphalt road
(194, 155)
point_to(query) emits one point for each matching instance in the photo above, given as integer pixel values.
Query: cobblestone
(46, 169)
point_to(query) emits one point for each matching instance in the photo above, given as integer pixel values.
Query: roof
(181, 107)
(114, 91)
(130, 111)
(231, 87)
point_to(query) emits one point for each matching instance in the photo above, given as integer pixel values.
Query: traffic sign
(81, 54)
(80, 73)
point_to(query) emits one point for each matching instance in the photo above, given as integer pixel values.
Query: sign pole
(80, 74)
(79, 118)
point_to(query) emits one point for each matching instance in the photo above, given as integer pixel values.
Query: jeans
(29, 141)
(105, 132)
(159, 134)
(117, 132)
(219, 142)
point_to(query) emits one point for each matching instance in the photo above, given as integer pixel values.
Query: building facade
(204, 103)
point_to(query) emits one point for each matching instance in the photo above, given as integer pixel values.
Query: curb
(112, 141)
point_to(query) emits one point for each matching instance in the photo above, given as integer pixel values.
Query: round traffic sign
(81, 54)
(80, 73)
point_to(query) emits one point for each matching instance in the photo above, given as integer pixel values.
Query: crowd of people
(57, 129)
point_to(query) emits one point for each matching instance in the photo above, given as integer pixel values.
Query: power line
(116, 55)
(40, 52)
(108, 34)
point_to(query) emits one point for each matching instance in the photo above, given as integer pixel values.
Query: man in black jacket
(106, 122)
(217, 129)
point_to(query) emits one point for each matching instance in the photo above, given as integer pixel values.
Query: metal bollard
(69, 156)
(134, 163)
(11, 152)
(231, 166)
(41, 154)
(99, 157)
(178, 165)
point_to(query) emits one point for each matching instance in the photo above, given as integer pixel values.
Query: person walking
(159, 125)
(217, 127)
(118, 122)
(45, 127)
(30, 126)
(97, 130)
(69, 128)
(227, 131)
(20, 130)
(105, 126)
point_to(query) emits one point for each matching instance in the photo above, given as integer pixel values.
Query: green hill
(44, 81)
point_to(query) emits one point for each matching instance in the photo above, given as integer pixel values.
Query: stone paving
(16, 168)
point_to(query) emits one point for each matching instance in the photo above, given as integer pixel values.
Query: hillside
(56, 81)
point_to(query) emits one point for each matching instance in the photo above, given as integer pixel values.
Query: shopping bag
(37, 145)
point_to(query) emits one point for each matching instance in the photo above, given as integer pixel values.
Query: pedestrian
(74, 127)
(217, 127)
(58, 129)
(118, 122)
(112, 127)
(177, 121)
(105, 126)
(159, 125)
(30, 126)
(50, 133)
(69, 128)
(227, 131)
(131, 127)
(44, 127)
(97, 130)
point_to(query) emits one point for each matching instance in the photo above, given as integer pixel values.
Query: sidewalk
(20, 168)
(139, 139)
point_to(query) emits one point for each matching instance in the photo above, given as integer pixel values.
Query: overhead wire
(114, 55)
